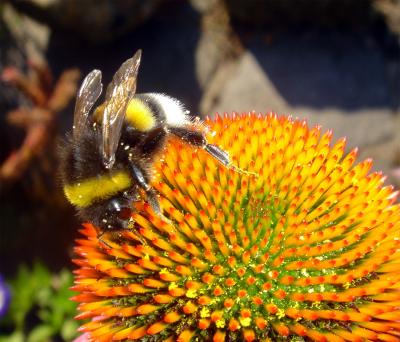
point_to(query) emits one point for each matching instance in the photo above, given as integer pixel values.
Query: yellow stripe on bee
(88, 191)
(139, 115)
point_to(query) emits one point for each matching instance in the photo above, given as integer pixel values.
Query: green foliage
(40, 308)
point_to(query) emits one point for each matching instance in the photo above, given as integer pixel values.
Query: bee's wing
(119, 92)
(88, 94)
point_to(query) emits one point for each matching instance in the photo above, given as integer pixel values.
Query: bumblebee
(106, 163)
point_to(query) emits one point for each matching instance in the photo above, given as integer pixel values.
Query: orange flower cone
(308, 250)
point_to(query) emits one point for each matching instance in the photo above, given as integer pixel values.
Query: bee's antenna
(223, 157)
(152, 199)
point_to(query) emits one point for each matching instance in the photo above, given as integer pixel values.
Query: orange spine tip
(156, 328)
(185, 336)
(219, 336)
(203, 324)
(146, 309)
(233, 325)
(172, 317)
(189, 308)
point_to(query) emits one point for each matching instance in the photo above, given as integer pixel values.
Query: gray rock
(93, 20)
(386, 154)
(363, 128)
(282, 13)
(218, 43)
(203, 6)
(342, 88)
(391, 11)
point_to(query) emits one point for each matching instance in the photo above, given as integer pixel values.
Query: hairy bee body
(82, 166)
(106, 163)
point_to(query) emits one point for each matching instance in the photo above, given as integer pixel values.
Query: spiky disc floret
(309, 249)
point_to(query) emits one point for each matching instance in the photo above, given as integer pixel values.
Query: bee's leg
(100, 238)
(198, 139)
(151, 194)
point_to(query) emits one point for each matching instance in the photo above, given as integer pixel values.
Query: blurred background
(333, 62)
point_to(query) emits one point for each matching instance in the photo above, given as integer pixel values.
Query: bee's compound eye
(124, 213)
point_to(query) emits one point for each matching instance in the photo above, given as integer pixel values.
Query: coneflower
(307, 250)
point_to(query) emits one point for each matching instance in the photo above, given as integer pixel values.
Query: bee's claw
(245, 172)
(100, 239)
(130, 223)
